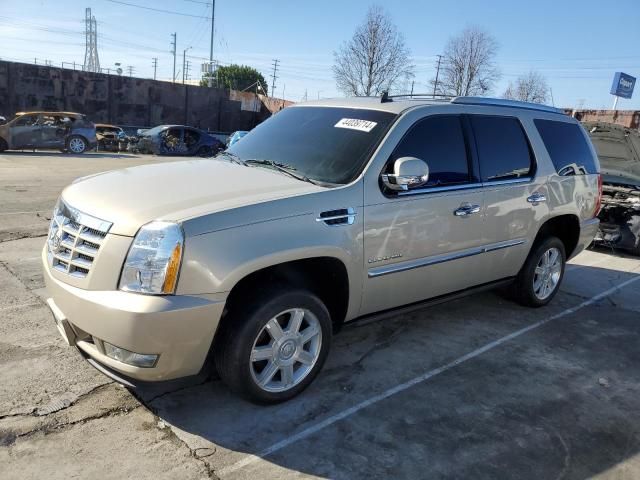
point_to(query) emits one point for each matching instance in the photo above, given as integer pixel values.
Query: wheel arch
(566, 227)
(325, 276)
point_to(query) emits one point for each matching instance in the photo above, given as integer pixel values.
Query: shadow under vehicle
(65, 131)
(618, 149)
(178, 140)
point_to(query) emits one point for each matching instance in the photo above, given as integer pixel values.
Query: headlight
(154, 258)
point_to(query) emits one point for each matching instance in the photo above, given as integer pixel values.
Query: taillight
(596, 210)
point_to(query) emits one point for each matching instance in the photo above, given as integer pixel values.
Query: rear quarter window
(567, 146)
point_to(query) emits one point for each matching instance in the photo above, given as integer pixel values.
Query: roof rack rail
(422, 96)
(502, 102)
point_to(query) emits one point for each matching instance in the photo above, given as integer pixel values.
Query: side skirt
(412, 307)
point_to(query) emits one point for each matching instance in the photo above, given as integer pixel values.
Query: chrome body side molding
(433, 260)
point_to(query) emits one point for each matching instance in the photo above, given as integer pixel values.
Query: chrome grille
(74, 240)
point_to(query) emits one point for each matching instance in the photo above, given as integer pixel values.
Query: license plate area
(62, 324)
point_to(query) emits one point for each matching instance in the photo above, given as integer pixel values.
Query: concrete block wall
(121, 100)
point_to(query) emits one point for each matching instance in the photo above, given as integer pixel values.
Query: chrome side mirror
(408, 172)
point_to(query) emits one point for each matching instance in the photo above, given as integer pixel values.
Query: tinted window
(567, 147)
(327, 144)
(439, 141)
(503, 149)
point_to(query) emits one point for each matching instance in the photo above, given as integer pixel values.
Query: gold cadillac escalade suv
(327, 212)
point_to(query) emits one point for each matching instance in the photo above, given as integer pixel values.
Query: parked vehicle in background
(618, 149)
(66, 131)
(110, 138)
(235, 136)
(3, 120)
(328, 211)
(178, 140)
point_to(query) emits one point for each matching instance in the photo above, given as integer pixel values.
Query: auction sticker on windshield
(356, 124)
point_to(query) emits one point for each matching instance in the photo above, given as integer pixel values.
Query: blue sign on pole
(623, 85)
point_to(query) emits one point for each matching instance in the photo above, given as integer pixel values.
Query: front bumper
(178, 328)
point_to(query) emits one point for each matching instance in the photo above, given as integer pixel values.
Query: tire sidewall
(527, 274)
(244, 327)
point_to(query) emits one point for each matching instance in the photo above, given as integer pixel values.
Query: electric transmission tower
(274, 76)
(91, 61)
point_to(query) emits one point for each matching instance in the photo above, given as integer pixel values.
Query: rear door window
(567, 146)
(439, 141)
(503, 148)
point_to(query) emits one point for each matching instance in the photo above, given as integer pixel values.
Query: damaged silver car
(178, 140)
(65, 131)
(618, 149)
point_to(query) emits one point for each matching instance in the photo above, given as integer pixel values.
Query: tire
(76, 144)
(281, 355)
(3, 145)
(537, 288)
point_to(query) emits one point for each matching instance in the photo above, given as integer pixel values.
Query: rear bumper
(588, 231)
(178, 328)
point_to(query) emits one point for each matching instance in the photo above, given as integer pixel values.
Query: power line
(159, 10)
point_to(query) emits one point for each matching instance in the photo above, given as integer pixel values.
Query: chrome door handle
(465, 210)
(536, 198)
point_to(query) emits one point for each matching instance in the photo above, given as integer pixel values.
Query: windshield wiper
(282, 167)
(233, 158)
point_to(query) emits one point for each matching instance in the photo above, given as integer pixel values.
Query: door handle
(465, 210)
(536, 198)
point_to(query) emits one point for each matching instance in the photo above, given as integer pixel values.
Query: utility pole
(186, 69)
(184, 62)
(412, 82)
(130, 70)
(435, 84)
(174, 56)
(155, 66)
(274, 76)
(213, 11)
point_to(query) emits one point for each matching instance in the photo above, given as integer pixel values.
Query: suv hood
(176, 191)
(618, 150)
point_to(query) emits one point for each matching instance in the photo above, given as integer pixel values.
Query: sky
(576, 45)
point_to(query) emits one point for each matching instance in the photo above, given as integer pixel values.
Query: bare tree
(468, 66)
(375, 59)
(531, 87)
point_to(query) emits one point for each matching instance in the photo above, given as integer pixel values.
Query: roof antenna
(385, 97)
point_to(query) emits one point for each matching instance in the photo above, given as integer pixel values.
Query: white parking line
(249, 459)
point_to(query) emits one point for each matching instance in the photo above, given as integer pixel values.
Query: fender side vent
(334, 218)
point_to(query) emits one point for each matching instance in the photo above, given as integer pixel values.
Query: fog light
(130, 358)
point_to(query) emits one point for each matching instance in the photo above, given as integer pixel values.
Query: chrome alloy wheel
(285, 350)
(76, 145)
(547, 273)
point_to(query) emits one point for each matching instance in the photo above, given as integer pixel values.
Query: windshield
(330, 145)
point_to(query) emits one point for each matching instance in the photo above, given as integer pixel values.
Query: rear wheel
(540, 277)
(76, 144)
(272, 349)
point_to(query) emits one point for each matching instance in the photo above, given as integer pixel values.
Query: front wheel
(272, 349)
(540, 277)
(76, 144)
